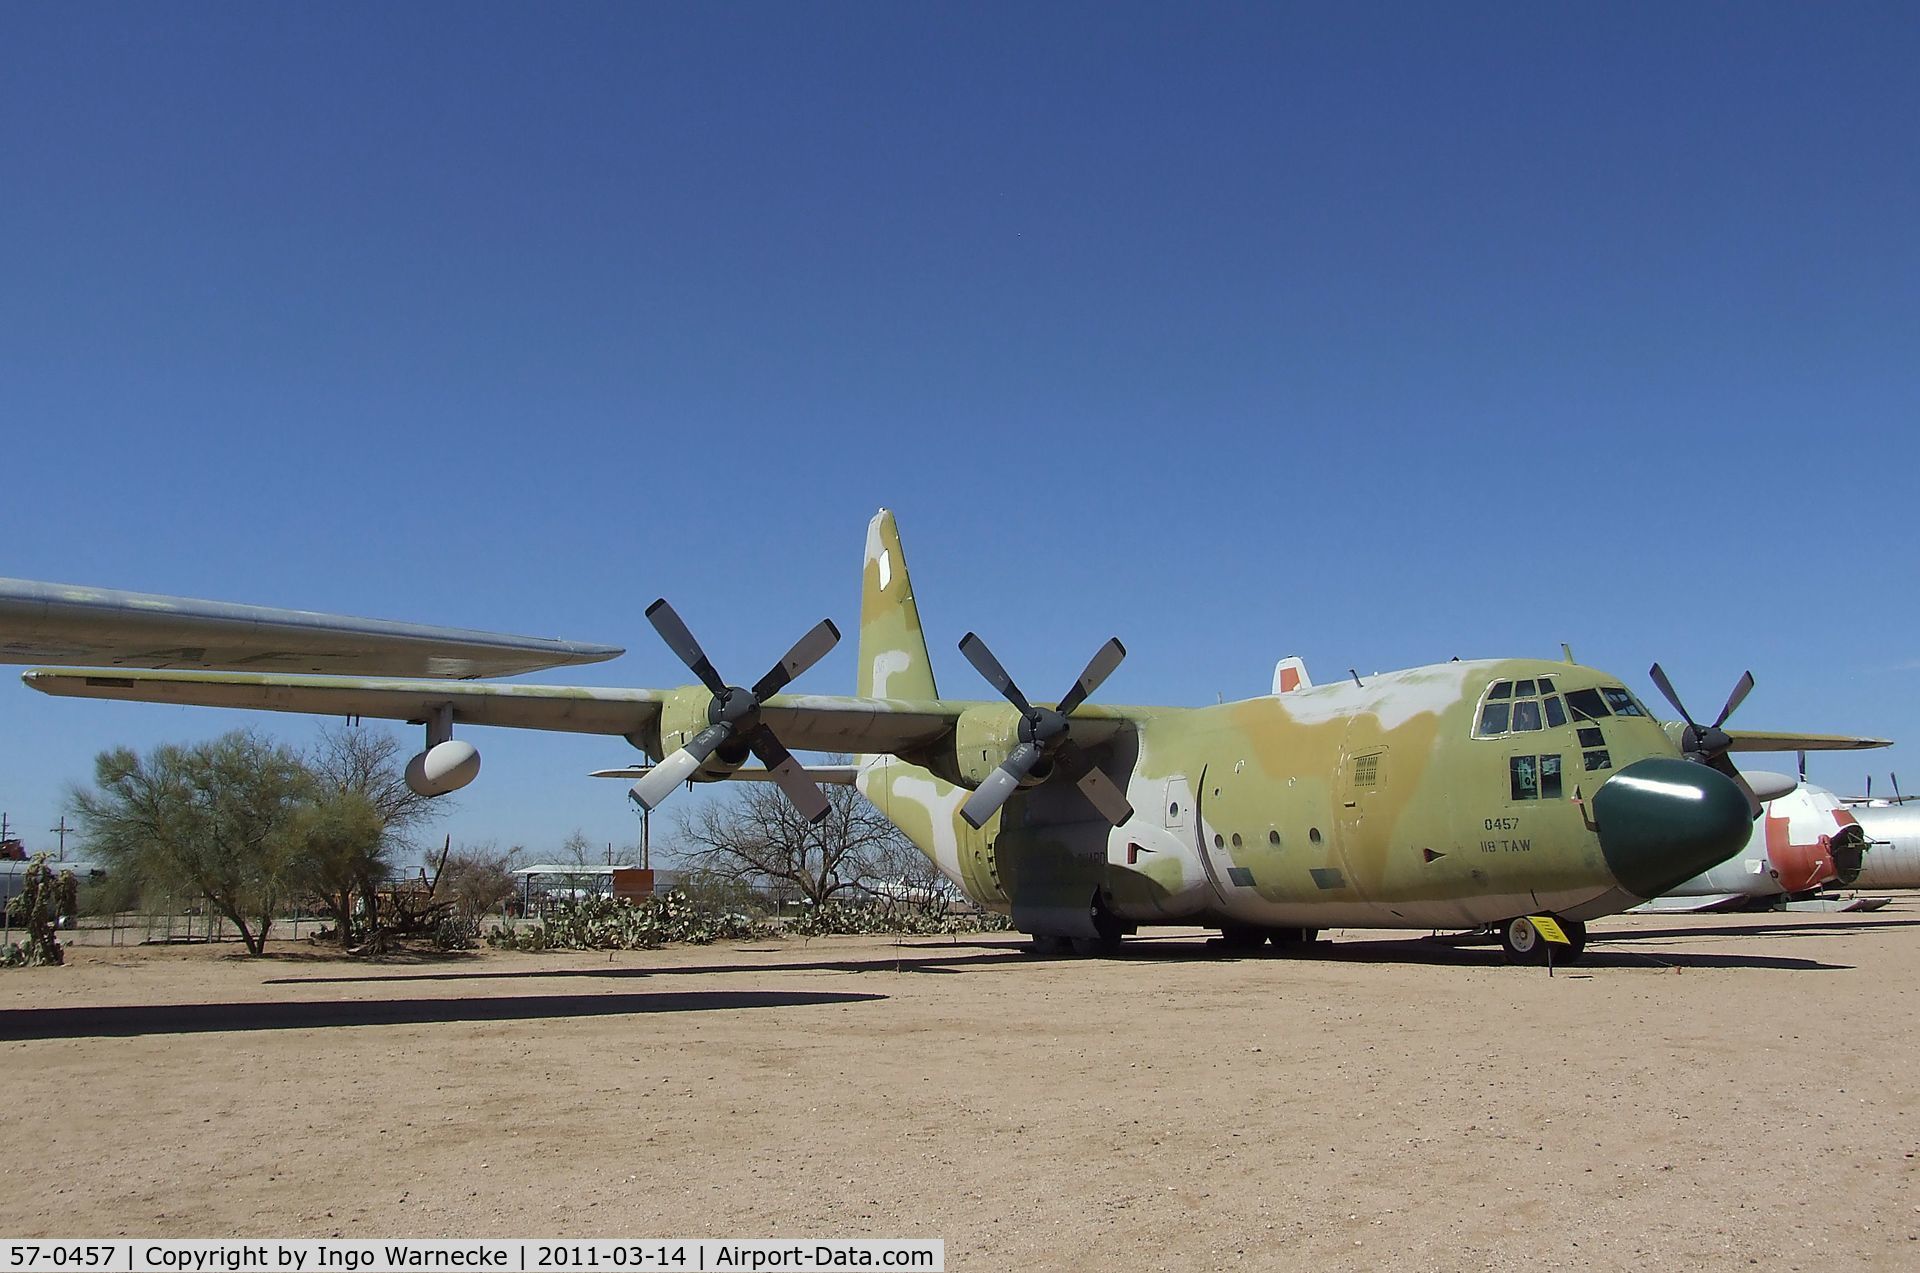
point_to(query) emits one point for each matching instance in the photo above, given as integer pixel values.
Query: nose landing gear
(1524, 943)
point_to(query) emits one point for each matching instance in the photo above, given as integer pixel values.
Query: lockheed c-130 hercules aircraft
(1461, 795)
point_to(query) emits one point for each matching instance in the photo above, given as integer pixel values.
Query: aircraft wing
(1764, 740)
(825, 775)
(102, 627)
(808, 722)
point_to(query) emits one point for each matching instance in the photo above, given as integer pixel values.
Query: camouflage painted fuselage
(1361, 803)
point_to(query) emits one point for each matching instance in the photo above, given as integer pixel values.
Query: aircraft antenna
(1354, 672)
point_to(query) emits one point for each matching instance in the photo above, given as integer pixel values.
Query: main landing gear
(1524, 944)
(1247, 938)
(1108, 929)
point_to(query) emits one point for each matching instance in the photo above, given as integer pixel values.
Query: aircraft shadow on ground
(913, 959)
(1812, 928)
(197, 1018)
(1423, 950)
(983, 956)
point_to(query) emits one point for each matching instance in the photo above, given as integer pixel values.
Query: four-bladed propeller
(734, 715)
(1709, 744)
(1046, 742)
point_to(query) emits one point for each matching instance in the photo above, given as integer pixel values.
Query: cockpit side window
(1493, 719)
(1587, 705)
(1622, 703)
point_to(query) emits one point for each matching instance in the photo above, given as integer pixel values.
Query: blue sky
(1377, 334)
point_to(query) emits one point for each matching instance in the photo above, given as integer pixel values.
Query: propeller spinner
(1046, 741)
(735, 712)
(1709, 744)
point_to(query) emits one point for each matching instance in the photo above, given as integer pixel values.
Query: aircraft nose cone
(1663, 821)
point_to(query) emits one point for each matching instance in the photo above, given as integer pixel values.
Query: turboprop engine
(445, 766)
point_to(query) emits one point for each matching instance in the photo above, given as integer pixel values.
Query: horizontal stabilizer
(101, 627)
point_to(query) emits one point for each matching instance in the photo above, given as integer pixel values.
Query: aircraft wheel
(1576, 931)
(1293, 941)
(1104, 945)
(1523, 942)
(1242, 937)
(1049, 947)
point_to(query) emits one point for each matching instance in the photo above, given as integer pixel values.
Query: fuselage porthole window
(1597, 760)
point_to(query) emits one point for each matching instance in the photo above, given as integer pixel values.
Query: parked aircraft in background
(1803, 841)
(1459, 795)
(1881, 801)
(1893, 861)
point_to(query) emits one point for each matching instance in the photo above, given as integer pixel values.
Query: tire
(1242, 937)
(1576, 932)
(1522, 942)
(1048, 946)
(1294, 941)
(1104, 946)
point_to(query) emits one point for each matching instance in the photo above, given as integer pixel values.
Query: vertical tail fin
(893, 650)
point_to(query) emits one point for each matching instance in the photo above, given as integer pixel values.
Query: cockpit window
(1523, 707)
(1622, 703)
(1586, 705)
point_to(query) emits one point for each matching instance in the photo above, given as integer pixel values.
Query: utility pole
(62, 830)
(3, 828)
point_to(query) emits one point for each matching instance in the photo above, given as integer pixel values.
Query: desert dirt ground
(1705, 1091)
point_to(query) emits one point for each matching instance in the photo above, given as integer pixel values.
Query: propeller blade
(1666, 687)
(785, 770)
(989, 667)
(807, 651)
(1000, 784)
(1101, 791)
(679, 639)
(1741, 689)
(667, 776)
(1099, 668)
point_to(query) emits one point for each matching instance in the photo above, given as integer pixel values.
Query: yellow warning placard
(1549, 928)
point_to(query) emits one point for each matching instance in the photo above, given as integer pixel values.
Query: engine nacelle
(982, 737)
(443, 767)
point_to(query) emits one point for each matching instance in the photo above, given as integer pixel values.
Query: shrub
(605, 923)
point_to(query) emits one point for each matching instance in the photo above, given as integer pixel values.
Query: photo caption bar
(516, 1255)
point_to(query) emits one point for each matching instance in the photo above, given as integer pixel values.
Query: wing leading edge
(102, 627)
(814, 722)
(1770, 740)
